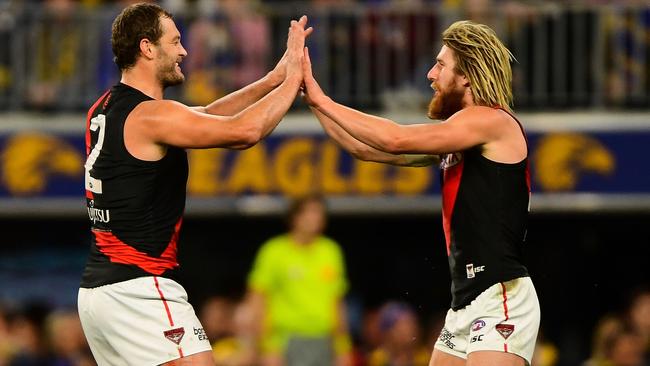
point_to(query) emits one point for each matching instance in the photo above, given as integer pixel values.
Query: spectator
(27, 333)
(251, 38)
(53, 82)
(229, 47)
(222, 322)
(7, 346)
(615, 344)
(638, 317)
(209, 62)
(546, 353)
(400, 338)
(66, 340)
(626, 349)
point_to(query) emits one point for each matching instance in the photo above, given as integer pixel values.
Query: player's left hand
(311, 91)
(279, 72)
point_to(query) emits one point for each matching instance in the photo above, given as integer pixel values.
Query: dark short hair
(297, 205)
(136, 22)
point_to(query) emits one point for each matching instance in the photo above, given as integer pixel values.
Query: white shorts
(145, 321)
(505, 318)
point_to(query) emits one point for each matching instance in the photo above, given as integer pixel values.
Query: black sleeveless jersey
(135, 207)
(485, 208)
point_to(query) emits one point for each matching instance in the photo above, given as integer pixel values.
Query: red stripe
(505, 299)
(91, 111)
(169, 314)
(505, 310)
(451, 182)
(162, 297)
(119, 252)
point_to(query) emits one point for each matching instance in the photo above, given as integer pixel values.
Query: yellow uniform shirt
(302, 285)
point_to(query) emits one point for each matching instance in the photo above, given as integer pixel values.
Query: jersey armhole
(126, 149)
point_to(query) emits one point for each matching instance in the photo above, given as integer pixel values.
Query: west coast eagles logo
(562, 159)
(30, 160)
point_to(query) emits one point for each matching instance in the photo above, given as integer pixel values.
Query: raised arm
(365, 152)
(241, 99)
(469, 127)
(355, 147)
(165, 122)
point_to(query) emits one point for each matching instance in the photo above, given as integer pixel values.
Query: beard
(445, 103)
(167, 74)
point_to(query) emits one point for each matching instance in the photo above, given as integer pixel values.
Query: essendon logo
(505, 330)
(175, 335)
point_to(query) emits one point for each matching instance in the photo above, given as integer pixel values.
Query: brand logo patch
(505, 330)
(446, 337)
(175, 335)
(200, 333)
(477, 325)
(473, 270)
(450, 160)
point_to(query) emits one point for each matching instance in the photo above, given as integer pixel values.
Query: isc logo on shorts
(472, 271)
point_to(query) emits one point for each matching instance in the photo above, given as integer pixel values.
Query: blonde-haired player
(482, 151)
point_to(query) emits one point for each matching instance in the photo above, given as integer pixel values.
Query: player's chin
(175, 80)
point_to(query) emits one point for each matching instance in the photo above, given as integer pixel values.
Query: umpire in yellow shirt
(296, 290)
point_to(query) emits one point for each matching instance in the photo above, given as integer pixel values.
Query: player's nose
(432, 75)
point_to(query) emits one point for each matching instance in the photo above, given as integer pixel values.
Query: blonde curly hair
(484, 60)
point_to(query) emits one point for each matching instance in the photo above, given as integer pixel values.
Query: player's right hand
(295, 45)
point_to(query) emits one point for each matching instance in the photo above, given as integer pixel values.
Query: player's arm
(365, 152)
(239, 100)
(166, 122)
(469, 127)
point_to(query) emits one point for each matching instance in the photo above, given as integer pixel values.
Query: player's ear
(464, 80)
(146, 48)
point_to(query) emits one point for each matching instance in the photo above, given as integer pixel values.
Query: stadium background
(582, 90)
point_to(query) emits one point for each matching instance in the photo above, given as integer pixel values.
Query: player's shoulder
(480, 115)
(157, 110)
(482, 111)
(160, 105)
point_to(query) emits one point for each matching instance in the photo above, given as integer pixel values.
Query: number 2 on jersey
(92, 184)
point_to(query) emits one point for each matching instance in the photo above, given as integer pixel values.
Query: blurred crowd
(392, 334)
(296, 310)
(369, 53)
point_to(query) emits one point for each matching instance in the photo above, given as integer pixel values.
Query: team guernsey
(485, 213)
(135, 206)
